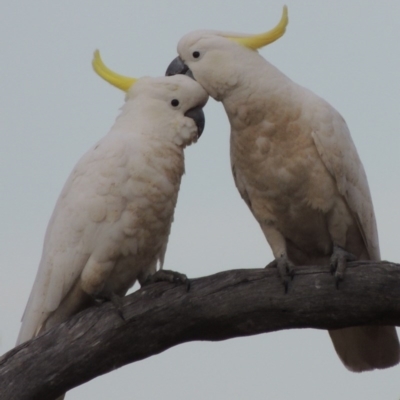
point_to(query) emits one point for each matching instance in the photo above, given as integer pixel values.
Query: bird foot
(164, 275)
(285, 270)
(338, 263)
(115, 300)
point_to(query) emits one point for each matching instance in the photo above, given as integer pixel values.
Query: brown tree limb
(225, 305)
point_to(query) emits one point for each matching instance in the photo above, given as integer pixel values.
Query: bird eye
(174, 103)
(196, 54)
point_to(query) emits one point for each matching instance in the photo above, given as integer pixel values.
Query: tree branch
(222, 306)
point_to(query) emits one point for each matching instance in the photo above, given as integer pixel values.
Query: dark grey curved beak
(178, 67)
(197, 115)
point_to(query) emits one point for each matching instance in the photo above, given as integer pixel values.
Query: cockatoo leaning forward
(296, 167)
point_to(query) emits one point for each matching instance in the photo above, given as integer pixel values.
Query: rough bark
(225, 305)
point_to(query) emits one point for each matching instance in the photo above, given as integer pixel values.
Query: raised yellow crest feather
(121, 82)
(257, 41)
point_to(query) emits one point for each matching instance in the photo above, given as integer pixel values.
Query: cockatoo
(296, 167)
(111, 223)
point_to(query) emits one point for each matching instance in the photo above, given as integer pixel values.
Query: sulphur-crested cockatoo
(296, 167)
(111, 223)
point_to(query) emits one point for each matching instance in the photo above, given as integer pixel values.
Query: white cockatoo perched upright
(296, 167)
(111, 223)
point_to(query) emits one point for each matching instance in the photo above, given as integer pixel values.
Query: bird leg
(285, 269)
(278, 246)
(338, 262)
(164, 275)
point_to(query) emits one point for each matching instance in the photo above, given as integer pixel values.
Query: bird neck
(258, 95)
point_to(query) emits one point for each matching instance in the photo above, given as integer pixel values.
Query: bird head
(215, 59)
(170, 100)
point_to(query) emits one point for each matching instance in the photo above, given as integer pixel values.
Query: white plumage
(111, 223)
(296, 167)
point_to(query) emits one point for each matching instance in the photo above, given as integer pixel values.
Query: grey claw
(338, 263)
(116, 301)
(286, 285)
(164, 275)
(285, 270)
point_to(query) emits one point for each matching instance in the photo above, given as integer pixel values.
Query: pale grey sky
(53, 108)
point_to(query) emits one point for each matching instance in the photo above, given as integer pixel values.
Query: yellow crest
(257, 41)
(121, 82)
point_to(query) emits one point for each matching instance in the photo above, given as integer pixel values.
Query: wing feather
(70, 236)
(338, 152)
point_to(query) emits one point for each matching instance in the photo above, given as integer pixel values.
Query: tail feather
(364, 348)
